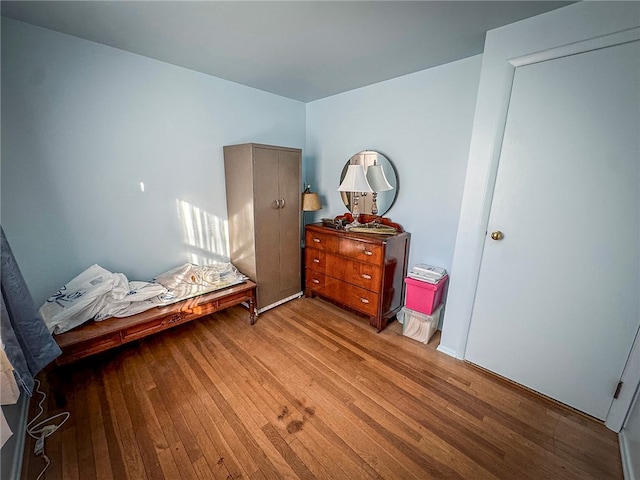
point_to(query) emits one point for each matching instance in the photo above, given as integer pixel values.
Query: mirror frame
(386, 199)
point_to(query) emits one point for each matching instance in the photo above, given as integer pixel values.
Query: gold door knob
(497, 235)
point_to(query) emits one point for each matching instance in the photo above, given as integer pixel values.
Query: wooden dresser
(361, 271)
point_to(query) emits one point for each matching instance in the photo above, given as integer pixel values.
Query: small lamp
(378, 182)
(355, 182)
(310, 200)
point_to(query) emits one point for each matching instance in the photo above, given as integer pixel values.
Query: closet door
(556, 306)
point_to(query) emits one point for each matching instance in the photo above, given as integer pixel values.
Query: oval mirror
(383, 199)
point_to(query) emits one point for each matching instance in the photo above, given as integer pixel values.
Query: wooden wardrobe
(263, 184)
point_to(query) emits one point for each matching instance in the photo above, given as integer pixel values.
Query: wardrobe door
(267, 224)
(289, 231)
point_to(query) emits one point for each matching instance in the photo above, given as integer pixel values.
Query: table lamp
(355, 182)
(378, 182)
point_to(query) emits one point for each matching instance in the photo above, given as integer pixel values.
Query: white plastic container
(419, 326)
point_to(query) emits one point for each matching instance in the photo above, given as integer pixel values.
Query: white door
(557, 301)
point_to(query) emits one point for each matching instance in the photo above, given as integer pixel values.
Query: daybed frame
(95, 337)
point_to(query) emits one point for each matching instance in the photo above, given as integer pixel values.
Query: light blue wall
(422, 122)
(83, 124)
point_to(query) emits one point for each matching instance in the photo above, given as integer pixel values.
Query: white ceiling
(303, 50)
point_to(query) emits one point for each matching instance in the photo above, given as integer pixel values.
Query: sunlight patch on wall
(205, 234)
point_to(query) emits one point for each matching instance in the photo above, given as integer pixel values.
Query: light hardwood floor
(310, 391)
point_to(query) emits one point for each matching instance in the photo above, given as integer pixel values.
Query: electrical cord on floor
(44, 428)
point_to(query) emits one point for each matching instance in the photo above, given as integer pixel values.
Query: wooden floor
(310, 391)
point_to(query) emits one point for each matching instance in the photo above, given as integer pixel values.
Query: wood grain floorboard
(242, 425)
(267, 375)
(484, 456)
(329, 383)
(309, 392)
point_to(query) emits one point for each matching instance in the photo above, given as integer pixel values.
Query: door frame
(580, 27)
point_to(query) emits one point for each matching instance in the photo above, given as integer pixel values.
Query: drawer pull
(317, 240)
(316, 260)
(368, 252)
(315, 280)
(364, 300)
(366, 276)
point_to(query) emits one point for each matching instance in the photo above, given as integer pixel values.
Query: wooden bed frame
(94, 337)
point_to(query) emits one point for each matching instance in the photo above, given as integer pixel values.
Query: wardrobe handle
(282, 203)
(366, 276)
(276, 204)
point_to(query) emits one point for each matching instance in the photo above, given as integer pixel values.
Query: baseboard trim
(280, 302)
(13, 450)
(448, 351)
(627, 465)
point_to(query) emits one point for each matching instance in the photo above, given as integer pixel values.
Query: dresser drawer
(362, 251)
(324, 285)
(357, 298)
(321, 241)
(360, 299)
(365, 275)
(314, 280)
(315, 259)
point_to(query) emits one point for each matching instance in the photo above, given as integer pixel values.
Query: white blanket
(98, 294)
(190, 280)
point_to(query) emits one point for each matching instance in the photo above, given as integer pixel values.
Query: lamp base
(365, 219)
(354, 224)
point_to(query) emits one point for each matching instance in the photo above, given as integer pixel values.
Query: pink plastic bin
(424, 297)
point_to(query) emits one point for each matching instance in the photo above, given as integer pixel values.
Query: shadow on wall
(205, 235)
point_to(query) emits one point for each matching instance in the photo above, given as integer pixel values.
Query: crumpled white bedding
(190, 280)
(98, 294)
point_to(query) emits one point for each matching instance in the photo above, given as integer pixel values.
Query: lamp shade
(311, 202)
(355, 180)
(377, 179)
